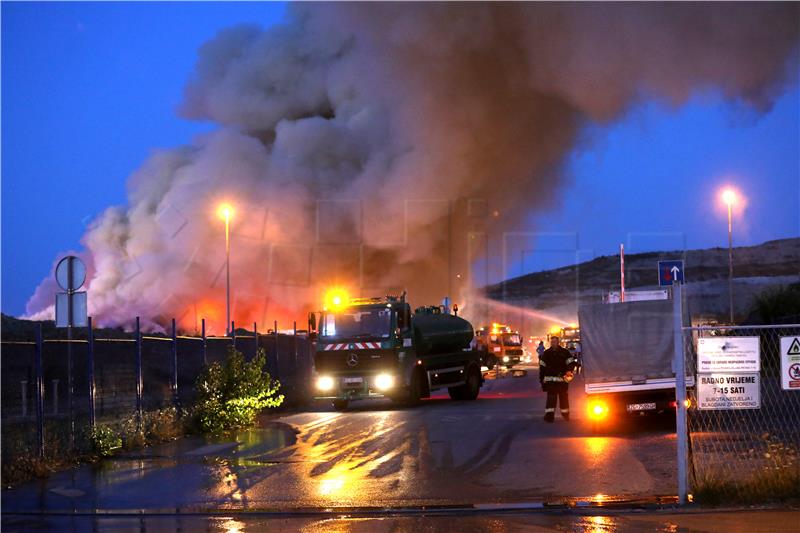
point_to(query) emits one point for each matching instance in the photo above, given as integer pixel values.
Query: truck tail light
(598, 409)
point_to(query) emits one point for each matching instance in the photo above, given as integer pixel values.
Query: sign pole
(680, 394)
(139, 383)
(621, 272)
(39, 393)
(90, 374)
(70, 320)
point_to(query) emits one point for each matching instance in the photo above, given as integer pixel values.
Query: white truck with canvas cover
(628, 351)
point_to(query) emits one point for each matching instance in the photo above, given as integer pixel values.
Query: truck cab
(502, 345)
(375, 348)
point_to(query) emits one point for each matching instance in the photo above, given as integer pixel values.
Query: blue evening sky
(88, 89)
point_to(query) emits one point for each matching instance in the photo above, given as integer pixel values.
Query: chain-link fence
(744, 421)
(54, 390)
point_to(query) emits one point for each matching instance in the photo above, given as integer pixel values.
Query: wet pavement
(496, 450)
(773, 521)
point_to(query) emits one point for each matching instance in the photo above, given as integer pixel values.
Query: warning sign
(728, 391)
(728, 354)
(790, 363)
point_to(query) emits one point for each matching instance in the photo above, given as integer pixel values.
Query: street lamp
(729, 197)
(225, 211)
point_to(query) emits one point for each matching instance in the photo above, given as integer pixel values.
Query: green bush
(230, 395)
(132, 432)
(162, 425)
(779, 305)
(104, 440)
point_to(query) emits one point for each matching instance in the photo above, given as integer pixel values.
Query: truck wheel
(473, 385)
(340, 405)
(414, 394)
(470, 389)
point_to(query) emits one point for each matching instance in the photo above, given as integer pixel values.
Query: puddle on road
(505, 373)
(260, 446)
(250, 447)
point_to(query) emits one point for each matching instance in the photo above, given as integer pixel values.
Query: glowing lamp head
(335, 299)
(225, 211)
(729, 196)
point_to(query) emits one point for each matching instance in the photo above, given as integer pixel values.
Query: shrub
(104, 440)
(230, 395)
(780, 305)
(162, 425)
(132, 432)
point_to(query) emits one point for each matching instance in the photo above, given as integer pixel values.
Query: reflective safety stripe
(565, 411)
(554, 378)
(550, 410)
(541, 363)
(571, 360)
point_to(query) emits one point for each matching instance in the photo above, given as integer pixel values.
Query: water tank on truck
(436, 332)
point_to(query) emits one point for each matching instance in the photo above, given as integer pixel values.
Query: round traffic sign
(70, 273)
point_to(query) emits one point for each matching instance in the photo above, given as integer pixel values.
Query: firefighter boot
(549, 415)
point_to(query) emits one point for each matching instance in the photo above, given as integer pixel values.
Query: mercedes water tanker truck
(376, 348)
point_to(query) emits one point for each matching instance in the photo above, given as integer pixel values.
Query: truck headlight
(325, 383)
(384, 382)
(506, 359)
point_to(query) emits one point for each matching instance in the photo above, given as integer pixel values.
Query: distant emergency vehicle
(503, 346)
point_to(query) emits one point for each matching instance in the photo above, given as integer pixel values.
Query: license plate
(641, 406)
(353, 381)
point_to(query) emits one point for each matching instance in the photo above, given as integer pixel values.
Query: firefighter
(556, 370)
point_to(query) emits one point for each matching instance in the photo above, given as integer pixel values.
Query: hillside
(755, 268)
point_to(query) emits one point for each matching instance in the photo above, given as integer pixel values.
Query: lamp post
(729, 197)
(225, 212)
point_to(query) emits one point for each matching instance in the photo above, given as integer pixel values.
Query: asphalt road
(747, 521)
(495, 450)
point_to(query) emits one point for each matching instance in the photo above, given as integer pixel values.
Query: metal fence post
(174, 364)
(90, 371)
(39, 393)
(255, 339)
(139, 382)
(24, 385)
(205, 342)
(277, 358)
(680, 394)
(233, 334)
(54, 383)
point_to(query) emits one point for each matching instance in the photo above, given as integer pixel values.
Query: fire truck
(378, 348)
(502, 345)
(570, 338)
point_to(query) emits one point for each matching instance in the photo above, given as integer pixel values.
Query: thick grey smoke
(365, 144)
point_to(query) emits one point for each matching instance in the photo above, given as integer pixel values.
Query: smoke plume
(367, 145)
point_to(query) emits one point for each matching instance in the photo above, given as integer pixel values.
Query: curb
(569, 506)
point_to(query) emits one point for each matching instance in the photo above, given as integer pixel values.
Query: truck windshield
(511, 339)
(357, 323)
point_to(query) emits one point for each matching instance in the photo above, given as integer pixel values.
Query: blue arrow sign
(669, 272)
